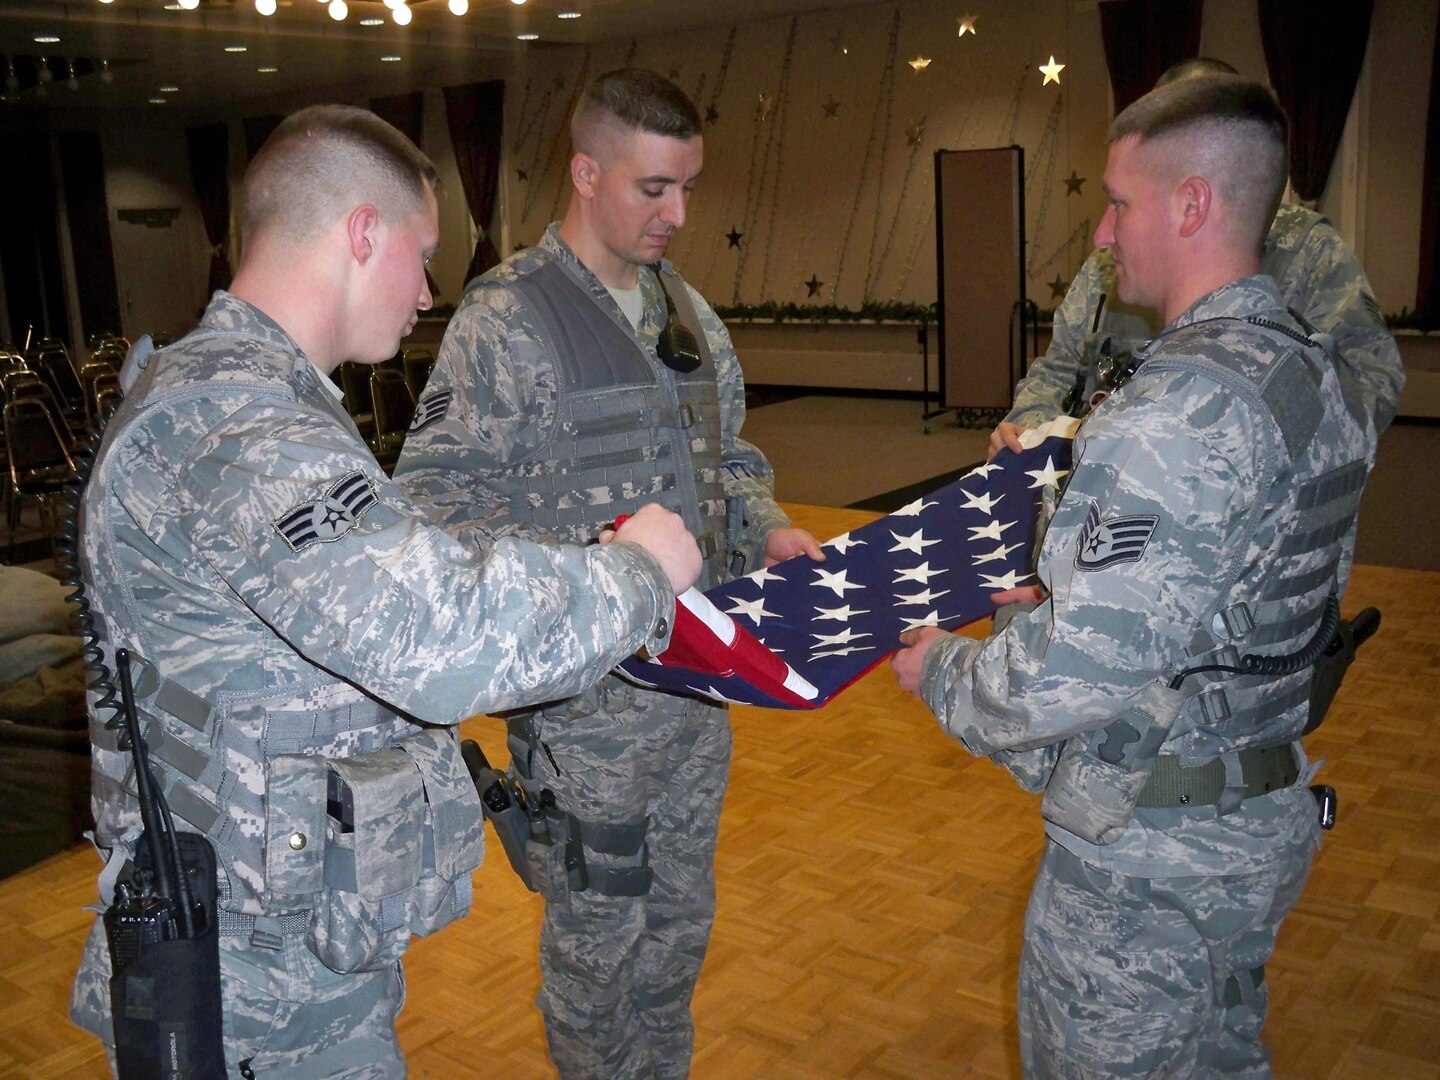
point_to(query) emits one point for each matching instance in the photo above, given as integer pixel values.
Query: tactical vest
(1313, 462)
(361, 828)
(628, 429)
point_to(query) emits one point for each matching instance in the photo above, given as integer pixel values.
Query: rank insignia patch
(326, 520)
(431, 409)
(1119, 540)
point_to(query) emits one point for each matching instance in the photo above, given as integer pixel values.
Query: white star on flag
(985, 470)
(933, 619)
(845, 637)
(984, 502)
(996, 555)
(913, 509)
(1049, 476)
(929, 596)
(836, 581)
(921, 573)
(843, 543)
(989, 532)
(838, 614)
(915, 542)
(751, 609)
(759, 577)
(1008, 580)
(843, 652)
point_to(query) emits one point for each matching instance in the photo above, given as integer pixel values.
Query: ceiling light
(568, 15)
(527, 37)
(390, 59)
(169, 89)
(401, 14)
(267, 70)
(338, 10)
(46, 39)
(157, 101)
(393, 4)
(173, 7)
(237, 48)
(265, 7)
(107, 1)
(517, 3)
(459, 7)
(189, 5)
(372, 21)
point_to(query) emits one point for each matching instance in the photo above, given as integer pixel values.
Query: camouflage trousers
(619, 971)
(286, 1014)
(1150, 977)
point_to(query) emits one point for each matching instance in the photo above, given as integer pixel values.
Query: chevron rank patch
(1118, 540)
(331, 517)
(431, 409)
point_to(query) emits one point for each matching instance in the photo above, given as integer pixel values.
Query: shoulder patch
(329, 518)
(1117, 540)
(431, 409)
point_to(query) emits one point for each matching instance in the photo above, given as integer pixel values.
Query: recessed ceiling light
(372, 21)
(157, 101)
(173, 7)
(527, 37)
(46, 39)
(267, 70)
(237, 48)
(391, 59)
(568, 15)
(169, 89)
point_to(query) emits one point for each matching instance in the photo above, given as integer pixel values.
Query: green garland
(878, 311)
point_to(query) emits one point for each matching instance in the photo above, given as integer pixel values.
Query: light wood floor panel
(872, 880)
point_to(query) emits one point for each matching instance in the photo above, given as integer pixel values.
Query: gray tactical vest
(628, 430)
(357, 890)
(1313, 466)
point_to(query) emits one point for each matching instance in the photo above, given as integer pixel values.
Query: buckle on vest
(1232, 623)
(1214, 705)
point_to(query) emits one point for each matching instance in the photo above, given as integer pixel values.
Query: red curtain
(1143, 38)
(476, 115)
(1313, 50)
(1427, 295)
(209, 147)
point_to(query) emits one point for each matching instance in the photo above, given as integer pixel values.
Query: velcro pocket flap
(454, 805)
(389, 803)
(294, 829)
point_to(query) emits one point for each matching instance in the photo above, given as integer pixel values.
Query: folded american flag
(794, 635)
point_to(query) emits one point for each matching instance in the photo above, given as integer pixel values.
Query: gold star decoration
(734, 236)
(967, 25)
(1057, 288)
(832, 109)
(763, 104)
(813, 285)
(920, 63)
(915, 132)
(1051, 71)
(1073, 183)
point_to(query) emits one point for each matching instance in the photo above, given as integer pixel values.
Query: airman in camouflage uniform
(293, 616)
(552, 409)
(1205, 518)
(1318, 276)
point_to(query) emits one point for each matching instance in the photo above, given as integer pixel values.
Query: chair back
(394, 404)
(417, 363)
(53, 364)
(39, 459)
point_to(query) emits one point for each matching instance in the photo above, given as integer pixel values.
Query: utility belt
(1261, 770)
(547, 845)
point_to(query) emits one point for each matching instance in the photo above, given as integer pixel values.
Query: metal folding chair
(40, 462)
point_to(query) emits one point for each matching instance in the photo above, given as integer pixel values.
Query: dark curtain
(1427, 295)
(209, 147)
(476, 115)
(404, 111)
(1313, 50)
(1143, 38)
(29, 240)
(257, 130)
(83, 167)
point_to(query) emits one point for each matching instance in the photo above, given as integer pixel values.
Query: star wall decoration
(915, 133)
(1051, 71)
(1073, 183)
(832, 109)
(1057, 288)
(734, 236)
(919, 64)
(813, 285)
(763, 104)
(712, 115)
(967, 25)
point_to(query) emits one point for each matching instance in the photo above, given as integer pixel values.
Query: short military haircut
(1226, 128)
(322, 162)
(1193, 68)
(632, 99)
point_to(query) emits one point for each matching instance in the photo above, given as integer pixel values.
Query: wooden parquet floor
(872, 880)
